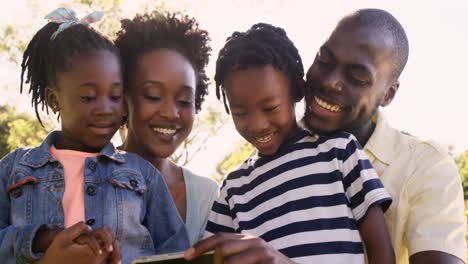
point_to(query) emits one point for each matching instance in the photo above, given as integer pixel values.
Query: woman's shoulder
(200, 189)
(199, 182)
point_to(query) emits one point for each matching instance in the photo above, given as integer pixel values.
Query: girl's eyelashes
(87, 98)
(116, 98)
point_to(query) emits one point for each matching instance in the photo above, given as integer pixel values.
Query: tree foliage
(204, 128)
(233, 160)
(18, 130)
(462, 163)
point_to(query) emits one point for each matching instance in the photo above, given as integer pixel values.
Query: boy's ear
(390, 93)
(52, 99)
(299, 93)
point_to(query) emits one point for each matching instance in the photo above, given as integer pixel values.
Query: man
(354, 73)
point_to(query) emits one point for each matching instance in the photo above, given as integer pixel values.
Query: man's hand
(434, 257)
(233, 248)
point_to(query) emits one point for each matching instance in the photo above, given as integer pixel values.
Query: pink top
(73, 197)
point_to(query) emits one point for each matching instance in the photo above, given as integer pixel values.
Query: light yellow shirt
(427, 212)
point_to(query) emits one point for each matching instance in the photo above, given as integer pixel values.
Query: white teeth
(328, 106)
(264, 139)
(166, 131)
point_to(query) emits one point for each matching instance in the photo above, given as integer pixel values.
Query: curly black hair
(45, 57)
(149, 32)
(263, 44)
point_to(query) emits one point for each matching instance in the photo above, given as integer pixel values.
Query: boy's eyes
(185, 103)
(238, 114)
(270, 109)
(245, 113)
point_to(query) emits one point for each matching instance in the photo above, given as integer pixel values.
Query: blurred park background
(431, 102)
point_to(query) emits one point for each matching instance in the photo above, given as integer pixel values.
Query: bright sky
(432, 101)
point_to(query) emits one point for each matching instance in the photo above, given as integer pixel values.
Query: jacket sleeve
(162, 218)
(15, 241)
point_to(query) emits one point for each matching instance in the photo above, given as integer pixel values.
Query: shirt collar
(383, 143)
(39, 156)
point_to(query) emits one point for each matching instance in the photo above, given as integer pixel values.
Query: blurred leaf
(18, 130)
(233, 160)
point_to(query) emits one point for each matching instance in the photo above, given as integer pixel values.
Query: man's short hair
(386, 23)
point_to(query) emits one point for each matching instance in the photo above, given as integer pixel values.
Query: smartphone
(174, 258)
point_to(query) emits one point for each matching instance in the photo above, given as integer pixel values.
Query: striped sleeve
(361, 183)
(220, 218)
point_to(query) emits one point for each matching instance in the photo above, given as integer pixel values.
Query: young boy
(311, 198)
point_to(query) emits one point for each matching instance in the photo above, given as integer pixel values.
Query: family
(339, 186)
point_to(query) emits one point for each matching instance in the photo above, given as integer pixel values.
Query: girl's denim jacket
(121, 190)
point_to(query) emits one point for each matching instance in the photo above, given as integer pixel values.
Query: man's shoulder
(425, 149)
(394, 144)
(419, 159)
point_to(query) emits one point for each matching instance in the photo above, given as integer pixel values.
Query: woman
(165, 56)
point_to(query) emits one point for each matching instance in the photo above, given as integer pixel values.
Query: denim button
(134, 183)
(90, 222)
(92, 165)
(15, 193)
(91, 190)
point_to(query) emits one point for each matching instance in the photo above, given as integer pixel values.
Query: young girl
(165, 56)
(307, 198)
(76, 175)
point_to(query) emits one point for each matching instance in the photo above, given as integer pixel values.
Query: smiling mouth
(102, 129)
(327, 105)
(165, 131)
(264, 139)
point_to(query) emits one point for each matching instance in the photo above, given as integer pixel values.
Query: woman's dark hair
(45, 56)
(148, 32)
(263, 44)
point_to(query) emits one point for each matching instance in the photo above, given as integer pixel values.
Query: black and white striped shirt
(307, 200)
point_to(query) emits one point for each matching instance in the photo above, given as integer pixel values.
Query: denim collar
(38, 156)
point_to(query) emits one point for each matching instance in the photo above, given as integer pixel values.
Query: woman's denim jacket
(122, 191)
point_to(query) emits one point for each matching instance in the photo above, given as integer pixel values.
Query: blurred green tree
(18, 130)
(233, 160)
